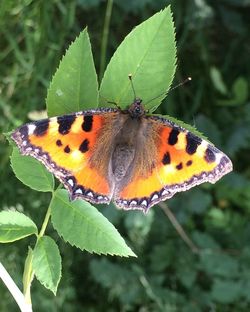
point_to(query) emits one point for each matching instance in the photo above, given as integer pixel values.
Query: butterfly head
(136, 109)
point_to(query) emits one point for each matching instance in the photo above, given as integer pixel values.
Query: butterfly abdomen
(122, 158)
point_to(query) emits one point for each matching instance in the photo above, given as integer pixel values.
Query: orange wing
(65, 146)
(184, 160)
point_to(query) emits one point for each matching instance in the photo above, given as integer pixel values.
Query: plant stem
(150, 293)
(28, 274)
(14, 290)
(179, 228)
(45, 222)
(105, 37)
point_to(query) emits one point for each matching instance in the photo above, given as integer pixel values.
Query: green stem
(105, 37)
(45, 222)
(28, 273)
(28, 276)
(179, 228)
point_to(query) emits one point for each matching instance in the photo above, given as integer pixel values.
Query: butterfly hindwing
(65, 145)
(183, 161)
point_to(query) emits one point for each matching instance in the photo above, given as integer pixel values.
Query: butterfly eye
(137, 109)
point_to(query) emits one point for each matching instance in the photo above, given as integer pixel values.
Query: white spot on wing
(31, 129)
(218, 157)
(201, 148)
(90, 194)
(133, 202)
(71, 182)
(164, 192)
(78, 191)
(155, 197)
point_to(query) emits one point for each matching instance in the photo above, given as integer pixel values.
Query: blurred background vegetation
(213, 40)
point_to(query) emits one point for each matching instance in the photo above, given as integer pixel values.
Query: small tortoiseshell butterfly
(128, 156)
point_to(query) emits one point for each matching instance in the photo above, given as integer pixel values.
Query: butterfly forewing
(65, 145)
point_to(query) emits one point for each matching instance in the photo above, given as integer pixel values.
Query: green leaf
(239, 138)
(14, 226)
(149, 54)
(226, 291)
(74, 86)
(162, 256)
(115, 276)
(31, 172)
(218, 218)
(47, 263)
(206, 125)
(240, 90)
(219, 264)
(186, 275)
(217, 80)
(240, 93)
(196, 201)
(204, 241)
(138, 225)
(83, 226)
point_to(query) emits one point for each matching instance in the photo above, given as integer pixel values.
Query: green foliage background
(213, 48)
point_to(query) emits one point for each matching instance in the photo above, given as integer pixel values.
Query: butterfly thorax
(136, 109)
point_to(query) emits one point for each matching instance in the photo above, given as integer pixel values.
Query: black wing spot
(58, 142)
(65, 123)
(41, 127)
(192, 143)
(84, 147)
(179, 166)
(209, 155)
(173, 136)
(67, 149)
(166, 160)
(189, 163)
(87, 123)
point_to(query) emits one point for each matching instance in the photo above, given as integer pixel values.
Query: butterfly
(128, 156)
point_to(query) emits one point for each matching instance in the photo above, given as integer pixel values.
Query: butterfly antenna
(181, 83)
(171, 89)
(132, 85)
(110, 102)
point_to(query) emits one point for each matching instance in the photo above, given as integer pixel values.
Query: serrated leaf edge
(54, 289)
(41, 166)
(91, 250)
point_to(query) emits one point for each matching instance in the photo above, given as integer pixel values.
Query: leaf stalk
(105, 35)
(28, 273)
